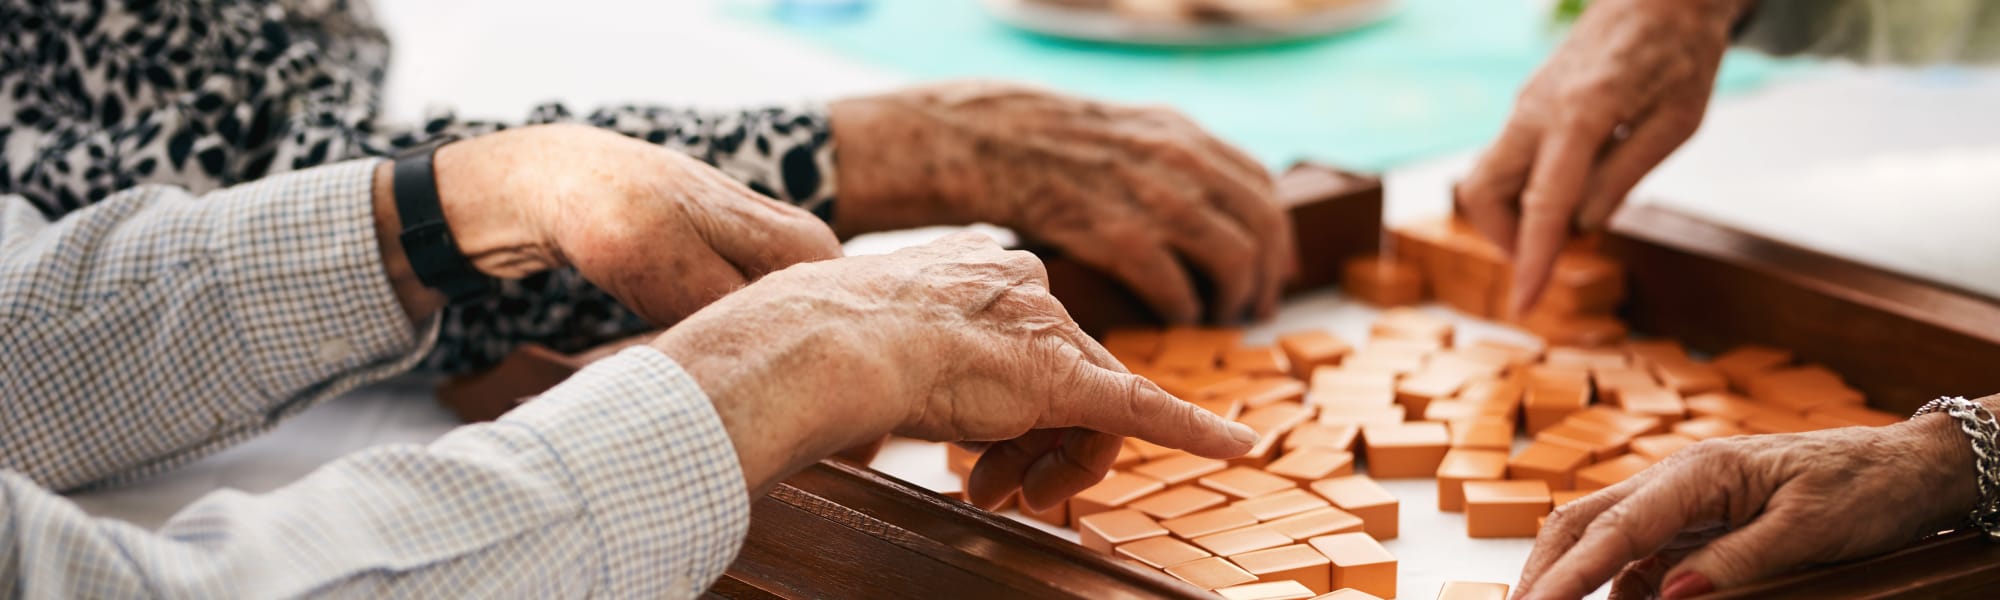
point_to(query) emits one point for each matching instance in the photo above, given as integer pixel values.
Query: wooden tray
(837, 531)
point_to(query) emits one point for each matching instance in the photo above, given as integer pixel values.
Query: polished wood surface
(840, 531)
(1899, 340)
(1959, 565)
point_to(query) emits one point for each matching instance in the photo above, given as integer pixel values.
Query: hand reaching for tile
(954, 340)
(1627, 88)
(1127, 190)
(1729, 512)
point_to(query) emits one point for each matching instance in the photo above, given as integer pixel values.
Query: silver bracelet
(1983, 432)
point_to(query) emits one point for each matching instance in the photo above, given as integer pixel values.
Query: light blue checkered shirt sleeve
(155, 326)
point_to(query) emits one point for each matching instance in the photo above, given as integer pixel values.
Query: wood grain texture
(1959, 565)
(1899, 340)
(839, 531)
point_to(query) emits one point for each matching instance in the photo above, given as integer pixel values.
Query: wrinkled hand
(1733, 511)
(660, 231)
(958, 340)
(1627, 88)
(1131, 191)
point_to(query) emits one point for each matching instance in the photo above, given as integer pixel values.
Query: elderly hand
(1132, 191)
(1732, 511)
(660, 231)
(1627, 88)
(957, 340)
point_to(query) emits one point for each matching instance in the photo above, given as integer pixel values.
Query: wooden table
(841, 531)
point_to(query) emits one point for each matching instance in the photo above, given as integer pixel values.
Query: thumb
(1131, 406)
(1766, 546)
(759, 235)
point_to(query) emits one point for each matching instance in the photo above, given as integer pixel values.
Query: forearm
(619, 483)
(1877, 31)
(198, 321)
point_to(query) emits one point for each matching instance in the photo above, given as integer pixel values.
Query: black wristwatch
(427, 239)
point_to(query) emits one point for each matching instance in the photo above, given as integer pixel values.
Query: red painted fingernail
(1688, 584)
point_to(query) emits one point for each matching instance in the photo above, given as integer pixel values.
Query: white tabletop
(1896, 168)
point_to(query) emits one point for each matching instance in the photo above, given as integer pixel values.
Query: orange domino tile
(1722, 405)
(1605, 474)
(1739, 365)
(1359, 562)
(1362, 416)
(1482, 434)
(1613, 382)
(1317, 522)
(1396, 356)
(1215, 520)
(1802, 389)
(1446, 411)
(1602, 444)
(1552, 394)
(1160, 552)
(1114, 492)
(1306, 465)
(1516, 355)
(1660, 446)
(1708, 429)
(1347, 594)
(1335, 378)
(1353, 396)
(1238, 541)
(1561, 497)
(1245, 482)
(1775, 422)
(1211, 573)
(1363, 497)
(1266, 391)
(1472, 590)
(1407, 450)
(1203, 385)
(1419, 389)
(1577, 330)
(1296, 562)
(1186, 358)
(1271, 424)
(960, 460)
(1382, 281)
(1273, 590)
(1128, 456)
(1586, 359)
(1259, 361)
(1850, 416)
(1552, 464)
(1470, 364)
(1180, 468)
(1612, 419)
(1646, 353)
(1309, 350)
(1505, 391)
(1689, 377)
(1104, 530)
(1413, 324)
(1179, 501)
(1462, 465)
(1505, 508)
(1133, 345)
(1280, 504)
(1057, 515)
(1321, 435)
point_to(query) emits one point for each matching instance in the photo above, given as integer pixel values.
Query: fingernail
(1688, 584)
(1242, 433)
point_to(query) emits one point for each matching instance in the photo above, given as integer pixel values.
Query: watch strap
(427, 240)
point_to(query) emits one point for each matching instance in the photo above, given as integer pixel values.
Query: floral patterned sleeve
(204, 94)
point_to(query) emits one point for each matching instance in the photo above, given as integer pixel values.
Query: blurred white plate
(1103, 25)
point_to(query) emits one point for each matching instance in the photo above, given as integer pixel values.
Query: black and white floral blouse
(98, 96)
